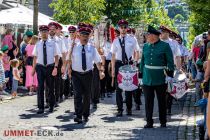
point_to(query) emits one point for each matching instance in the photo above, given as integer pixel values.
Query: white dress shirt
(52, 51)
(70, 41)
(131, 45)
(92, 55)
(107, 50)
(60, 42)
(174, 47)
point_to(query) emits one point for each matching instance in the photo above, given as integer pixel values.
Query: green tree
(174, 10)
(124, 9)
(199, 17)
(156, 14)
(179, 18)
(74, 11)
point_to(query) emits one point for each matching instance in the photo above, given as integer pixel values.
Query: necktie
(44, 53)
(84, 67)
(123, 50)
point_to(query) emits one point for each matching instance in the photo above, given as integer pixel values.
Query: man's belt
(155, 67)
(82, 73)
(49, 65)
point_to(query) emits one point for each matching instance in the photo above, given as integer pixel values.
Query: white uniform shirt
(70, 41)
(60, 42)
(174, 47)
(107, 50)
(92, 55)
(52, 51)
(131, 45)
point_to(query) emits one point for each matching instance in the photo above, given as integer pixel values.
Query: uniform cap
(152, 30)
(43, 28)
(72, 29)
(81, 25)
(53, 24)
(85, 31)
(122, 22)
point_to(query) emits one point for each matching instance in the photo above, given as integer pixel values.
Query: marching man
(46, 54)
(123, 48)
(156, 56)
(81, 57)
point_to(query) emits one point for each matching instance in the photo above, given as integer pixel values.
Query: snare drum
(127, 78)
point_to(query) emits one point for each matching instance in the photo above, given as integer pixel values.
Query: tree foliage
(179, 18)
(199, 18)
(74, 11)
(135, 11)
(177, 9)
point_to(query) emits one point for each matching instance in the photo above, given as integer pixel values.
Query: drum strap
(124, 55)
(155, 67)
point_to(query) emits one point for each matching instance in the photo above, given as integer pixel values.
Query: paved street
(20, 113)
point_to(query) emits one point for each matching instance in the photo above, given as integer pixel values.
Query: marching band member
(184, 51)
(63, 49)
(155, 57)
(81, 58)
(45, 62)
(165, 33)
(122, 49)
(54, 32)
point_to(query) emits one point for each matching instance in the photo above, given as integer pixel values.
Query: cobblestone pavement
(20, 114)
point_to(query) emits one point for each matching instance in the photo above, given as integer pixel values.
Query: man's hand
(101, 75)
(63, 69)
(113, 73)
(54, 72)
(69, 72)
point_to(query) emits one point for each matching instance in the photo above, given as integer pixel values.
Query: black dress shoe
(163, 125)
(129, 112)
(56, 105)
(61, 100)
(78, 120)
(46, 106)
(137, 107)
(51, 110)
(94, 106)
(40, 111)
(148, 126)
(86, 119)
(119, 114)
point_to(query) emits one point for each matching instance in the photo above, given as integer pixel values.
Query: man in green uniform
(157, 57)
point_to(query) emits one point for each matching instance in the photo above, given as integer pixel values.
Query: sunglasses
(44, 31)
(71, 32)
(123, 27)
